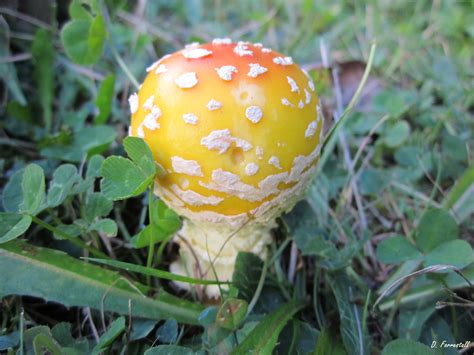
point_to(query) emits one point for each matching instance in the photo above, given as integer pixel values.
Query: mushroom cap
(236, 127)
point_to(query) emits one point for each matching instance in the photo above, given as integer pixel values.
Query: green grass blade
(161, 274)
(330, 139)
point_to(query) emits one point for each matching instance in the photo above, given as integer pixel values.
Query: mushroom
(237, 129)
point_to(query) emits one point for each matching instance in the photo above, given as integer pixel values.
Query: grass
(377, 258)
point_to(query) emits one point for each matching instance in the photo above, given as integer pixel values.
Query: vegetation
(377, 259)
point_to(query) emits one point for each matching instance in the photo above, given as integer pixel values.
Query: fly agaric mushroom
(237, 129)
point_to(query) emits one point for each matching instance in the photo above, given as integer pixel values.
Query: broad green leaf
(86, 142)
(435, 227)
(97, 37)
(97, 205)
(406, 347)
(57, 277)
(30, 335)
(396, 134)
(43, 344)
(20, 112)
(12, 225)
(43, 56)
(372, 181)
(93, 171)
(154, 272)
(62, 334)
(116, 328)
(33, 189)
(165, 218)
(412, 319)
(264, 336)
(168, 332)
(13, 193)
(104, 99)
(328, 344)
(84, 39)
(64, 177)
(74, 37)
(396, 249)
(457, 252)
(248, 268)
(461, 196)
(170, 350)
(165, 222)
(77, 11)
(105, 226)
(10, 340)
(93, 166)
(208, 316)
(146, 235)
(122, 178)
(231, 313)
(141, 328)
(74, 230)
(138, 150)
(354, 336)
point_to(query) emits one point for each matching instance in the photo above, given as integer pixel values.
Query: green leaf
(141, 328)
(104, 99)
(84, 40)
(411, 319)
(461, 196)
(64, 177)
(154, 272)
(72, 229)
(372, 181)
(97, 205)
(97, 37)
(116, 328)
(78, 12)
(328, 344)
(170, 350)
(43, 55)
(86, 141)
(231, 313)
(12, 225)
(148, 234)
(122, 179)
(435, 227)
(354, 336)
(105, 226)
(264, 336)
(57, 277)
(140, 153)
(396, 134)
(33, 189)
(165, 222)
(406, 347)
(165, 218)
(30, 335)
(9, 340)
(394, 250)
(43, 344)
(248, 268)
(457, 252)
(168, 332)
(13, 193)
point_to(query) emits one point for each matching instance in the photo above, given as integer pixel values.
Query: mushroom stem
(214, 250)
